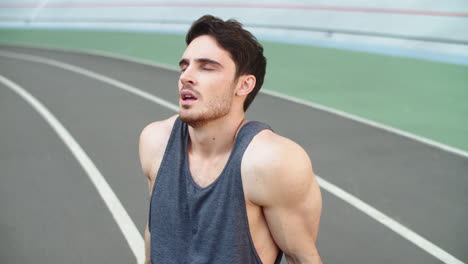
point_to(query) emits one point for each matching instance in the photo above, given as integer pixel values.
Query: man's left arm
(294, 205)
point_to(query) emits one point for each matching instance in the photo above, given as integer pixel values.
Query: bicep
(294, 224)
(279, 177)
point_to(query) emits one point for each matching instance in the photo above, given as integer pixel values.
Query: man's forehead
(206, 47)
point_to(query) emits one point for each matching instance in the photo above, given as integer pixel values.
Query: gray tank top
(195, 225)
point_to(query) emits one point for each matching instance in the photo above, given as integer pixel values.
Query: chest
(205, 171)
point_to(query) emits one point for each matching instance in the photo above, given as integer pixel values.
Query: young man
(225, 190)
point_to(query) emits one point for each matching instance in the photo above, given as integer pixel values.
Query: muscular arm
(289, 195)
(147, 154)
(152, 144)
(293, 213)
(147, 245)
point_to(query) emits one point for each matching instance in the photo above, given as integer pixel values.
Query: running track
(52, 212)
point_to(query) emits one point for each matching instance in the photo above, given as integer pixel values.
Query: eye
(208, 67)
(183, 65)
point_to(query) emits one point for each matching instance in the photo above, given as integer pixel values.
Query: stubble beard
(215, 109)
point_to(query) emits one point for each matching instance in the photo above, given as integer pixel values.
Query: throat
(208, 151)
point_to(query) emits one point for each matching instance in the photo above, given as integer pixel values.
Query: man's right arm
(152, 145)
(147, 245)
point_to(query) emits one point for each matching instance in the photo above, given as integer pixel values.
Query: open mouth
(187, 96)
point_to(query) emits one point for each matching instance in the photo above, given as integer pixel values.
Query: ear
(247, 83)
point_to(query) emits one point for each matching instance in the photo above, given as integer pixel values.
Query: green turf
(422, 97)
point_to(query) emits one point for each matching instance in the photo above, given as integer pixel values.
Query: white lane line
(91, 74)
(362, 120)
(387, 221)
(125, 223)
(372, 123)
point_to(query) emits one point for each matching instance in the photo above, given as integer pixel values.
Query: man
(224, 190)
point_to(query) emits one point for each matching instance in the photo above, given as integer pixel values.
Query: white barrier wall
(437, 26)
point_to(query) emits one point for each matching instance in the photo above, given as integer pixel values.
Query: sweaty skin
(283, 200)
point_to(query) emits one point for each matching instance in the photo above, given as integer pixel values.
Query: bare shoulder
(275, 167)
(152, 144)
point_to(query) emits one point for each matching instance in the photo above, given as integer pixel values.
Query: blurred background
(398, 65)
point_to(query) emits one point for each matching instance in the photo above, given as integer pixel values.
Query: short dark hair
(245, 50)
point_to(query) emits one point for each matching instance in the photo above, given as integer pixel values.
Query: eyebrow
(200, 60)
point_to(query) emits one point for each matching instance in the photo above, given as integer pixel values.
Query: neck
(215, 137)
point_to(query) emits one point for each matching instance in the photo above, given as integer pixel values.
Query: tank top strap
(245, 136)
(180, 127)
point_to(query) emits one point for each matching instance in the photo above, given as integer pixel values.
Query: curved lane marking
(367, 209)
(362, 120)
(125, 223)
(371, 123)
(92, 75)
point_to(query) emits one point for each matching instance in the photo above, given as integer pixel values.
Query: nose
(187, 77)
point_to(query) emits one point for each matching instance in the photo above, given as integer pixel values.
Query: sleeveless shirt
(194, 225)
